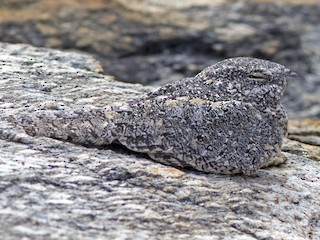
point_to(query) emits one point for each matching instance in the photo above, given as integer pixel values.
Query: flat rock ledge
(51, 189)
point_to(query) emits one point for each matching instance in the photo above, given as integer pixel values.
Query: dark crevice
(186, 45)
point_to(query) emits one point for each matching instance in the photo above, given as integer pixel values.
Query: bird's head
(248, 79)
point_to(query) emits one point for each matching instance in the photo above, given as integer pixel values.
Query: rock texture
(57, 190)
(155, 42)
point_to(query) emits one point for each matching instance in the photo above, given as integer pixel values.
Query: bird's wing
(200, 133)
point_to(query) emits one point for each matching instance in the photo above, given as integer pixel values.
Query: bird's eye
(258, 76)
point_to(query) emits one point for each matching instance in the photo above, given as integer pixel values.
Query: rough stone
(57, 190)
(305, 130)
(304, 138)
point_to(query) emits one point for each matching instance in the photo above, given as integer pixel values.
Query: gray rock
(57, 190)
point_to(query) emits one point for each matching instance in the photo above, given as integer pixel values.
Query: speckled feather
(227, 119)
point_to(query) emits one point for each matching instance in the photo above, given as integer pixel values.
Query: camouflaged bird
(227, 119)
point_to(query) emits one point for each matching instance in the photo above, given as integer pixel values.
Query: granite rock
(58, 190)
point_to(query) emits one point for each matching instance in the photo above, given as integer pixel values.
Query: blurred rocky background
(155, 42)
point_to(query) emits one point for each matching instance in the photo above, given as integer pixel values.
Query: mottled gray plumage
(226, 119)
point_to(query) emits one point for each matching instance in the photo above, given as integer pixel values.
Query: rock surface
(57, 190)
(153, 42)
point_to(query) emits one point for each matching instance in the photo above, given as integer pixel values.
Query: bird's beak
(291, 74)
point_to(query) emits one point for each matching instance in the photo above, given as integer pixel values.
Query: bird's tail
(84, 126)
